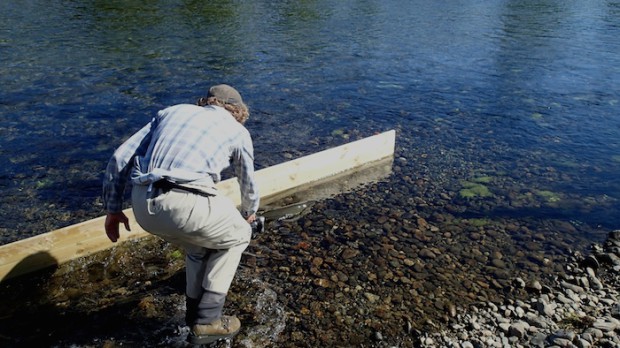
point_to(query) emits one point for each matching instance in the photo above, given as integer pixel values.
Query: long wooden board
(88, 237)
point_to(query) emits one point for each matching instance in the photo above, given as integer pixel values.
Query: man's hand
(112, 222)
(251, 218)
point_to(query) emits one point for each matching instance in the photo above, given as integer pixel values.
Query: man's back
(195, 139)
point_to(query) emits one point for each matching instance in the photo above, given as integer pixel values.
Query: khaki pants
(211, 229)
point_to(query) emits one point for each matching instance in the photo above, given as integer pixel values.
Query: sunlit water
(471, 86)
(524, 92)
(269, 315)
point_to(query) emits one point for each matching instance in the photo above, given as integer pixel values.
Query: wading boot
(223, 328)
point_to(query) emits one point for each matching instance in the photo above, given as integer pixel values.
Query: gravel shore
(580, 309)
(371, 268)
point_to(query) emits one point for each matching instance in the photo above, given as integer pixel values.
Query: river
(507, 116)
(518, 91)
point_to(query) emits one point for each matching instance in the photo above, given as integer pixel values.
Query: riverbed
(506, 162)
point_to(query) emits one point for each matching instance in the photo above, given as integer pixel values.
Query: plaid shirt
(186, 138)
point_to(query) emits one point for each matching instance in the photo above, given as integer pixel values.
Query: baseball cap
(226, 94)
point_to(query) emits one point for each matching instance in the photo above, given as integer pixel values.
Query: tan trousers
(211, 229)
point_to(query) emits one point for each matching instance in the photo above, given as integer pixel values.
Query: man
(173, 164)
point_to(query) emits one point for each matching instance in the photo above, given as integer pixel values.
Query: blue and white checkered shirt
(185, 139)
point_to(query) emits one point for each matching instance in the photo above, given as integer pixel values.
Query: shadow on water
(133, 294)
(90, 301)
(35, 260)
(23, 301)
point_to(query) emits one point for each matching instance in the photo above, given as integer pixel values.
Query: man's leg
(203, 306)
(215, 235)
(227, 235)
(195, 266)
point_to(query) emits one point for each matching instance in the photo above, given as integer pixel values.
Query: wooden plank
(65, 244)
(325, 164)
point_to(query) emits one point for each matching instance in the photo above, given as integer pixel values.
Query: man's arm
(243, 165)
(115, 179)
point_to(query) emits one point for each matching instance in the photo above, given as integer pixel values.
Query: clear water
(526, 90)
(269, 315)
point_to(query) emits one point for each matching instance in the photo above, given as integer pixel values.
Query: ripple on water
(268, 315)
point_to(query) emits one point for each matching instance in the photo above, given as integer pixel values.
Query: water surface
(525, 93)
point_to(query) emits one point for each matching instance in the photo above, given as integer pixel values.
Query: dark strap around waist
(166, 186)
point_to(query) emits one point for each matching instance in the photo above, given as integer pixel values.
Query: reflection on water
(521, 89)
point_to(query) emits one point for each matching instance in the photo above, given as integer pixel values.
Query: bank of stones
(361, 274)
(374, 271)
(581, 309)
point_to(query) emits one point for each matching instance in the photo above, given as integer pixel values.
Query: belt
(165, 186)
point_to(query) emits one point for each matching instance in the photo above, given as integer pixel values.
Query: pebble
(518, 329)
(377, 280)
(536, 323)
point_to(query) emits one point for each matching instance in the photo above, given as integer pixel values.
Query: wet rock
(349, 253)
(498, 263)
(534, 286)
(610, 259)
(378, 336)
(519, 283)
(372, 298)
(383, 282)
(591, 262)
(427, 254)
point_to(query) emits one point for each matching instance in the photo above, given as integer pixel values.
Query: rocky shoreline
(355, 270)
(581, 309)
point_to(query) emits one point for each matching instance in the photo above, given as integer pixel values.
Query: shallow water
(472, 85)
(507, 118)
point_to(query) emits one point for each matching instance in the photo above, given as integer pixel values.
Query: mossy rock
(176, 255)
(479, 222)
(472, 189)
(549, 196)
(483, 179)
(44, 183)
